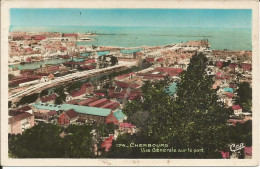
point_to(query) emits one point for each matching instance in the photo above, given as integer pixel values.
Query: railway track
(66, 79)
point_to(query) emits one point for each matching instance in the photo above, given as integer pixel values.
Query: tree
(78, 143)
(73, 86)
(201, 118)
(159, 105)
(103, 130)
(44, 93)
(9, 104)
(132, 107)
(28, 99)
(44, 141)
(61, 95)
(244, 93)
(58, 100)
(10, 76)
(241, 133)
(140, 120)
(40, 141)
(114, 60)
(195, 119)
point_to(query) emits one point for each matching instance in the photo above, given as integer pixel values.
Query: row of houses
(64, 114)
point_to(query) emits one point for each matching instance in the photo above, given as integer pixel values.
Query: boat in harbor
(83, 39)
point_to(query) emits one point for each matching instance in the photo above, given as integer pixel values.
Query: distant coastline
(219, 38)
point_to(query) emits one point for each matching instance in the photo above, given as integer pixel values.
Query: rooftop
(19, 117)
(80, 109)
(119, 114)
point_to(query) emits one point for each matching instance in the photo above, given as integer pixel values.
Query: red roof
(42, 74)
(48, 98)
(111, 105)
(225, 154)
(149, 59)
(71, 114)
(90, 61)
(63, 48)
(234, 121)
(70, 35)
(81, 120)
(19, 117)
(230, 95)
(126, 85)
(219, 63)
(99, 94)
(14, 112)
(84, 67)
(86, 85)
(219, 74)
(38, 37)
(87, 101)
(75, 101)
(232, 85)
(28, 49)
(76, 93)
(169, 70)
(232, 65)
(153, 77)
(236, 107)
(22, 80)
(99, 103)
(38, 115)
(248, 151)
(124, 76)
(111, 118)
(123, 95)
(159, 59)
(126, 125)
(51, 113)
(25, 108)
(107, 144)
(223, 77)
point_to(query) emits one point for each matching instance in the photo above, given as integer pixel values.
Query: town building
(68, 117)
(20, 122)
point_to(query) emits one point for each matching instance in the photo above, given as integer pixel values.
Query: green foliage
(73, 86)
(140, 119)
(28, 99)
(241, 133)
(79, 142)
(58, 100)
(131, 107)
(61, 95)
(114, 60)
(41, 141)
(44, 93)
(9, 104)
(244, 93)
(195, 119)
(103, 130)
(201, 118)
(44, 141)
(10, 76)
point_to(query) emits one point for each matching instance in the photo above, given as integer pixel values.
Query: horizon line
(124, 26)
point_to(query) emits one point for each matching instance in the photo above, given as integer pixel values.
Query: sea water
(219, 38)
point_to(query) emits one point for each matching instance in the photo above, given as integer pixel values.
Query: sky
(215, 18)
